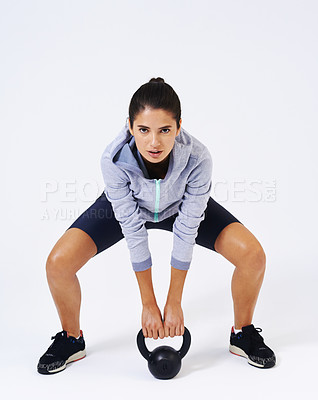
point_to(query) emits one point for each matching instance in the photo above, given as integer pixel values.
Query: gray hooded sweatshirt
(135, 198)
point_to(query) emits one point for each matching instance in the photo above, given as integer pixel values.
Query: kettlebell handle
(147, 354)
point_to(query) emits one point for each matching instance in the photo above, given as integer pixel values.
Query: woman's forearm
(176, 285)
(147, 294)
(177, 280)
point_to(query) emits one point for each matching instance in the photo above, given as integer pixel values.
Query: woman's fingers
(173, 319)
(154, 327)
(167, 331)
(154, 333)
(151, 320)
(170, 331)
(180, 330)
(161, 332)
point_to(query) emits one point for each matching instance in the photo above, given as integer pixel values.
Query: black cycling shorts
(99, 222)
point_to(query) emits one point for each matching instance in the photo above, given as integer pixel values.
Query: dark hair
(155, 94)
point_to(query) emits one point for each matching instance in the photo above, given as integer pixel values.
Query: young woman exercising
(157, 176)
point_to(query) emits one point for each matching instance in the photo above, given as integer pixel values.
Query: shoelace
(255, 334)
(58, 341)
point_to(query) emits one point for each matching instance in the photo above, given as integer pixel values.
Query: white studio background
(246, 75)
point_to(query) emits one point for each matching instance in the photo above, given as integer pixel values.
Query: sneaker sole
(239, 352)
(75, 357)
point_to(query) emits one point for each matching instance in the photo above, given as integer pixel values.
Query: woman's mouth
(154, 154)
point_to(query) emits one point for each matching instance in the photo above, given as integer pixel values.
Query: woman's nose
(154, 140)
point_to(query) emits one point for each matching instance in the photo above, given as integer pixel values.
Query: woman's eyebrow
(144, 126)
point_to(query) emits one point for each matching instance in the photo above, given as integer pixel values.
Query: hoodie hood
(123, 152)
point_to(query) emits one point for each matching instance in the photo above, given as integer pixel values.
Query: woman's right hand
(151, 322)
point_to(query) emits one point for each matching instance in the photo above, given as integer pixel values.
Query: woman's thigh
(71, 251)
(216, 219)
(226, 235)
(99, 222)
(238, 245)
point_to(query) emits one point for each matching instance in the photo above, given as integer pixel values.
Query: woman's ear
(130, 129)
(179, 130)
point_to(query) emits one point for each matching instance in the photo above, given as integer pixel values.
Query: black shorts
(99, 222)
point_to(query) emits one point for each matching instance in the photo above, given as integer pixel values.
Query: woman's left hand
(173, 319)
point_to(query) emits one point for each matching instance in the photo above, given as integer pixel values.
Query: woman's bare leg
(238, 245)
(70, 253)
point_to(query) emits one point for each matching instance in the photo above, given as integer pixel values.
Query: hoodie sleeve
(191, 212)
(127, 213)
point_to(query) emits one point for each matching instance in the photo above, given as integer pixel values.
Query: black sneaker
(63, 350)
(250, 344)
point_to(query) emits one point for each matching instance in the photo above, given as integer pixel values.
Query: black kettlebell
(164, 362)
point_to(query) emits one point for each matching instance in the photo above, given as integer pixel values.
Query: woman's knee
(58, 265)
(70, 253)
(238, 245)
(254, 258)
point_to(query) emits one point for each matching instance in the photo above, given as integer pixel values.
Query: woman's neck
(158, 170)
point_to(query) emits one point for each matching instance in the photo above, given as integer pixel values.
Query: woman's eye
(167, 130)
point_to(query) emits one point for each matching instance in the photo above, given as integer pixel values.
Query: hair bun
(156, 80)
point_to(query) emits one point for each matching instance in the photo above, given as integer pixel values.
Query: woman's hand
(151, 322)
(173, 319)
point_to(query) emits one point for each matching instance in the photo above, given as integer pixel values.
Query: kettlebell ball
(164, 362)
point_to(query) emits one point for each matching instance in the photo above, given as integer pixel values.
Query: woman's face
(155, 131)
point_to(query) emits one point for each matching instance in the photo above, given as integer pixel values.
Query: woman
(157, 176)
